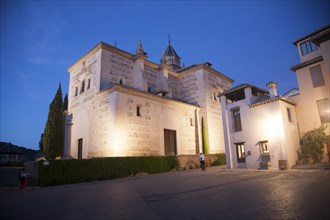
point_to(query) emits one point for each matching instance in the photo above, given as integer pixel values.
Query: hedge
(221, 160)
(60, 172)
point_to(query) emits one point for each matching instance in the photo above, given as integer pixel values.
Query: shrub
(221, 160)
(75, 171)
(312, 145)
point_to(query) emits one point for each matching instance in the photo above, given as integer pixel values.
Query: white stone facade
(264, 120)
(314, 86)
(255, 119)
(121, 104)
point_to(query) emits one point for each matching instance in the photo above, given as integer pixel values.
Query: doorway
(80, 147)
(170, 142)
(240, 152)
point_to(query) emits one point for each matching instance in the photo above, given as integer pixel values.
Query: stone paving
(215, 194)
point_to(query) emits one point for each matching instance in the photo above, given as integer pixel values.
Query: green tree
(204, 138)
(41, 145)
(53, 139)
(312, 145)
(65, 103)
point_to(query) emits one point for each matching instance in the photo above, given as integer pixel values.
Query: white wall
(267, 122)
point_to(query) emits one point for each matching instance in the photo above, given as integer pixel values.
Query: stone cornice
(143, 94)
(206, 66)
(86, 56)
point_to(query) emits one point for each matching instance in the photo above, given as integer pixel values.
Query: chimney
(272, 89)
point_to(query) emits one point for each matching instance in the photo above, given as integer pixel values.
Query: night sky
(249, 41)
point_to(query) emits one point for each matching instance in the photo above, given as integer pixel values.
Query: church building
(122, 104)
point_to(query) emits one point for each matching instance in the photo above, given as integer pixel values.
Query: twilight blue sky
(249, 41)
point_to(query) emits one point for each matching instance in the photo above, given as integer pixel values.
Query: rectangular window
(236, 116)
(82, 89)
(288, 111)
(307, 47)
(317, 76)
(138, 111)
(324, 110)
(191, 122)
(263, 145)
(88, 83)
(76, 91)
(240, 152)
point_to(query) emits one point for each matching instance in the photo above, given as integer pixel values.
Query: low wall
(32, 168)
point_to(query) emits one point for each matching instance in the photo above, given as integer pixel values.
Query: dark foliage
(75, 171)
(53, 139)
(221, 160)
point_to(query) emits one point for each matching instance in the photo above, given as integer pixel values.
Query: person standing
(22, 179)
(202, 161)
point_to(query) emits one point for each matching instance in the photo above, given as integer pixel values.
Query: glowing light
(118, 142)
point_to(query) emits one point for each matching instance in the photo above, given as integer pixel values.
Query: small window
(263, 145)
(324, 110)
(138, 111)
(82, 89)
(76, 91)
(88, 83)
(317, 76)
(307, 47)
(236, 116)
(191, 122)
(288, 111)
(215, 96)
(84, 66)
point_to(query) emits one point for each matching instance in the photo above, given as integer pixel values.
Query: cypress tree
(204, 138)
(53, 139)
(41, 144)
(65, 103)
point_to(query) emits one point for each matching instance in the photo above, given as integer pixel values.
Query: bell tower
(170, 57)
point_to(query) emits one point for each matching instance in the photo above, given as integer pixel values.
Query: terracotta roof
(311, 34)
(266, 99)
(261, 98)
(321, 37)
(242, 86)
(306, 63)
(290, 91)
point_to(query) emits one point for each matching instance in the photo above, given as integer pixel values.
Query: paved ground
(214, 194)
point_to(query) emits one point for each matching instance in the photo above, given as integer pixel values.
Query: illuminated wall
(108, 85)
(267, 122)
(307, 109)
